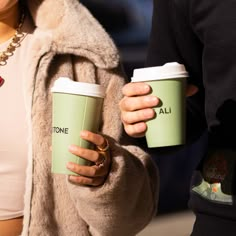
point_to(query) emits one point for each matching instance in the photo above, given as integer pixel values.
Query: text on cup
(60, 130)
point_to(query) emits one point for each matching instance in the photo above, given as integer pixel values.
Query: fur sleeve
(127, 201)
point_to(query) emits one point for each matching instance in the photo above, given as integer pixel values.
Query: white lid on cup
(66, 85)
(167, 71)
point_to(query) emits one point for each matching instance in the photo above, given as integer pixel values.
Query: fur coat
(68, 41)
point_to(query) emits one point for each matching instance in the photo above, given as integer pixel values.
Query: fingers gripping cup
(168, 83)
(77, 106)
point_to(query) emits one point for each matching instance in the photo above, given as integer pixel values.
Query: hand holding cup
(95, 174)
(154, 104)
(77, 106)
(137, 107)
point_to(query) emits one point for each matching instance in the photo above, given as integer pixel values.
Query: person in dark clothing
(201, 35)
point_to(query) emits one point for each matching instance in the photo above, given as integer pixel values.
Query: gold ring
(103, 149)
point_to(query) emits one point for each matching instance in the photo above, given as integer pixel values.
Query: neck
(9, 20)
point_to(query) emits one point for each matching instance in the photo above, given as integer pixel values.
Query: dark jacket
(201, 34)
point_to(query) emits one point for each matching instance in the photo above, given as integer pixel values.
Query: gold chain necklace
(14, 43)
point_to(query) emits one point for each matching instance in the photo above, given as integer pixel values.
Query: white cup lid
(66, 85)
(167, 71)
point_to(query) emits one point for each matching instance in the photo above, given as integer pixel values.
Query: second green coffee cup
(168, 83)
(76, 106)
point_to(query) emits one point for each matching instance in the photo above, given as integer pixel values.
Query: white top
(167, 71)
(13, 135)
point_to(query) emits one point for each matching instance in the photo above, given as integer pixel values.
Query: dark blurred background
(129, 23)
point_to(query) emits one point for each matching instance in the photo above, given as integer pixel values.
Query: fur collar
(74, 30)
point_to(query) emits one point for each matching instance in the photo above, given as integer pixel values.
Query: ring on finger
(103, 149)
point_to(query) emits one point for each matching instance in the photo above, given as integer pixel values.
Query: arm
(172, 39)
(136, 106)
(127, 201)
(200, 35)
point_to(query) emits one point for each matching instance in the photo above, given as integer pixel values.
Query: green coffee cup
(168, 83)
(76, 106)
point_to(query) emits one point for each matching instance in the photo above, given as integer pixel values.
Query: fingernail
(146, 88)
(72, 178)
(152, 99)
(83, 133)
(70, 166)
(72, 148)
(149, 113)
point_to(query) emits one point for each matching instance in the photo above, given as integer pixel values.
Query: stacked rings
(103, 150)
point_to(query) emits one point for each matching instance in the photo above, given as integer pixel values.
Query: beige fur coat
(68, 41)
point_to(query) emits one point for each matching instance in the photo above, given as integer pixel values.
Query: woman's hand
(96, 174)
(137, 107)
